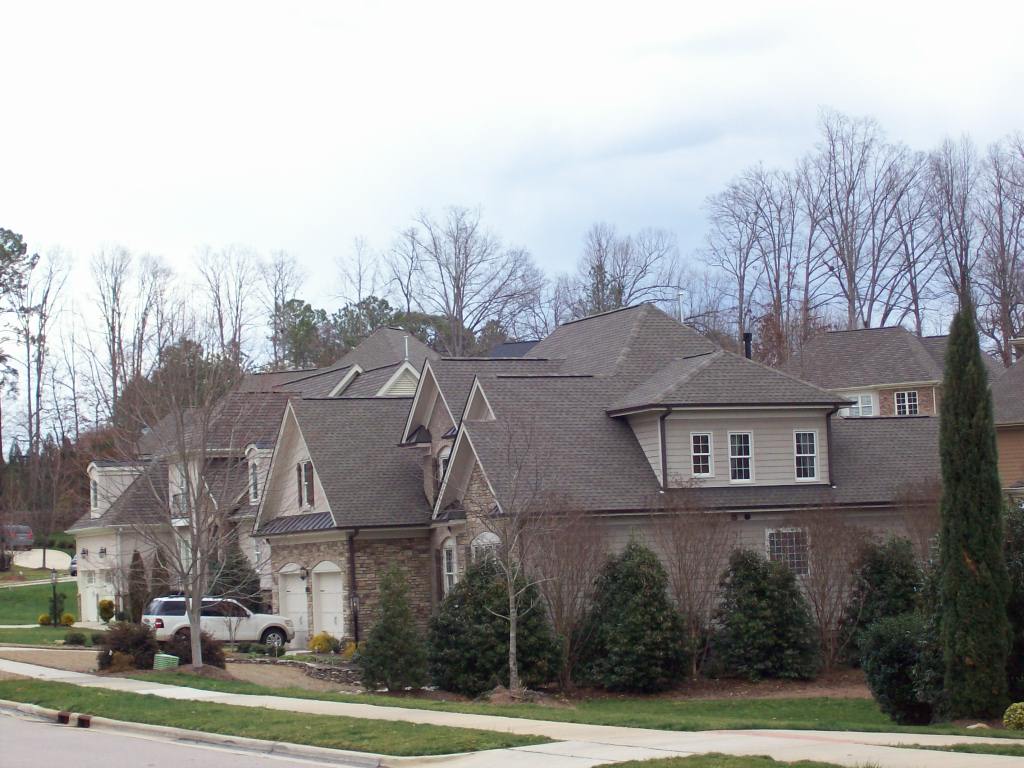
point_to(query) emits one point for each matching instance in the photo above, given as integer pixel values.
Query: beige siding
(773, 448)
(645, 427)
(1010, 441)
(280, 494)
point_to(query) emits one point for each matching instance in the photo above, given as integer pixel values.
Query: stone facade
(926, 400)
(412, 554)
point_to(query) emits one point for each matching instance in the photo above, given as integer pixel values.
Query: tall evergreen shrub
(974, 583)
(395, 654)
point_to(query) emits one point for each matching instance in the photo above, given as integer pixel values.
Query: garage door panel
(294, 604)
(329, 602)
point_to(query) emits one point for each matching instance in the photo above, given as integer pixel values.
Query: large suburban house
(135, 503)
(397, 457)
(891, 372)
(625, 416)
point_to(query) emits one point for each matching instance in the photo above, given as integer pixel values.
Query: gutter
(353, 587)
(828, 437)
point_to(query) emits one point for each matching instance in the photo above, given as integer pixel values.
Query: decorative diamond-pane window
(739, 456)
(806, 456)
(701, 452)
(789, 546)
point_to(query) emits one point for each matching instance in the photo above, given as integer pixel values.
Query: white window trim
(485, 542)
(94, 493)
(789, 529)
(906, 396)
(817, 452)
(860, 397)
(711, 454)
(751, 480)
(306, 504)
(444, 455)
(448, 545)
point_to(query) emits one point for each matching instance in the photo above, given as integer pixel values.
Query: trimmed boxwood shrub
(213, 650)
(74, 638)
(468, 647)
(97, 637)
(394, 655)
(889, 583)
(135, 641)
(897, 662)
(634, 632)
(763, 626)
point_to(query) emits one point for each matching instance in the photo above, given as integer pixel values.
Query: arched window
(449, 566)
(443, 458)
(484, 545)
(254, 482)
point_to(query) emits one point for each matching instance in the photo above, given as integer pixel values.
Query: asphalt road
(30, 743)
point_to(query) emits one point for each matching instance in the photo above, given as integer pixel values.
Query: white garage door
(293, 605)
(328, 603)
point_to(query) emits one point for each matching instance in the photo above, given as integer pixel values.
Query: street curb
(279, 748)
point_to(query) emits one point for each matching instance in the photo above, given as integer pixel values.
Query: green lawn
(391, 738)
(25, 574)
(1014, 750)
(41, 635)
(638, 712)
(22, 605)
(720, 761)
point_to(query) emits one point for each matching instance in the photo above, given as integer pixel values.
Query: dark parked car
(16, 536)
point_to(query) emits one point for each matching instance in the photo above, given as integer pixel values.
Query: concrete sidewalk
(581, 745)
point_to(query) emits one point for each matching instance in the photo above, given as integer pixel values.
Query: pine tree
(974, 582)
(138, 587)
(395, 655)
(236, 578)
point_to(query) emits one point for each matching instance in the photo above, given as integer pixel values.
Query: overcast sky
(300, 126)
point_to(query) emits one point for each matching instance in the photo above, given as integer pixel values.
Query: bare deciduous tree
(953, 184)
(231, 279)
(694, 545)
(566, 552)
(282, 280)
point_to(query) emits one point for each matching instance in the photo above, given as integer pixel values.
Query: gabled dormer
(107, 481)
(719, 419)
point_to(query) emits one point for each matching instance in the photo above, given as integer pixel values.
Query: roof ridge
(605, 312)
(711, 356)
(876, 328)
(634, 331)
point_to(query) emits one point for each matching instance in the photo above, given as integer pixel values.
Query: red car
(16, 537)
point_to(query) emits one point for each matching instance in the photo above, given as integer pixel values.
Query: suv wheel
(183, 635)
(274, 637)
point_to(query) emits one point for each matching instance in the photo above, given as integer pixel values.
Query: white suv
(224, 618)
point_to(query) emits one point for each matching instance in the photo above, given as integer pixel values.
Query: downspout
(662, 450)
(353, 589)
(828, 437)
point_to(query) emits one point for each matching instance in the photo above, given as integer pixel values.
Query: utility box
(165, 661)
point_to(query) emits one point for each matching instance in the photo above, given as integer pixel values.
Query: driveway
(579, 745)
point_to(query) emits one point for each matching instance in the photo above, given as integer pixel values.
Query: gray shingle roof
(867, 357)
(455, 375)
(1008, 395)
(635, 340)
(368, 478)
(319, 384)
(144, 502)
(512, 348)
(386, 346)
(368, 383)
(874, 356)
(722, 378)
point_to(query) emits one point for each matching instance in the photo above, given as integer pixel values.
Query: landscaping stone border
(346, 674)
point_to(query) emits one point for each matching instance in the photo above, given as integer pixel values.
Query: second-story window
(304, 478)
(444, 457)
(806, 455)
(700, 452)
(741, 469)
(94, 494)
(906, 403)
(254, 482)
(865, 405)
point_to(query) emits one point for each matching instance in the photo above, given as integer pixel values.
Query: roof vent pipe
(406, 340)
(748, 337)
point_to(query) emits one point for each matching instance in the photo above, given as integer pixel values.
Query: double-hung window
(700, 452)
(304, 480)
(789, 546)
(906, 403)
(806, 455)
(741, 459)
(94, 494)
(864, 405)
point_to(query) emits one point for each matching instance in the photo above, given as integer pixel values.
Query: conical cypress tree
(395, 654)
(138, 587)
(974, 582)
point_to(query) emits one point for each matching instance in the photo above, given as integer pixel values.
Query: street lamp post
(53, 606)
